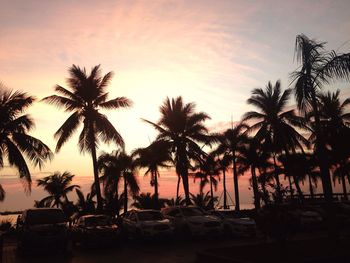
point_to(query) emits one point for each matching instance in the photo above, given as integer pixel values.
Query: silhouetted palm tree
(184, 129)
(115, 166)
(203, 201)
(208, 173)
(155, 156)
(317, 68)
(335, 122)
(85, 205)
(274, 124)
(146, 201)
(15, 142)
(252, 156)
(229, 144)
(224, 163)
(58, 186)
(2, 193)
(85, 96)
(176, 201)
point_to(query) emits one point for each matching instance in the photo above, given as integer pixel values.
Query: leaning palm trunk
(178, 187)
(278, 184)
(224, 187)
(96, 178)
(125, 195)
(255, 188)
(211, 194)
(235, 183)
(311, 189)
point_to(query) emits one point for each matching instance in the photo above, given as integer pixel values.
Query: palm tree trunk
(291, 190)
(311, 189)
(224, 187)
(156, 202)
(96, 178)
(278, 184)
(344, 186)
(125, 195)
(178, 187)
(186, 188)
(235, 184)
(255, 188)
(211, 194)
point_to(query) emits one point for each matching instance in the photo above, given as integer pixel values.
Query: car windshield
(44, 216)
(150, 216)
(97, 221)
(192, 211)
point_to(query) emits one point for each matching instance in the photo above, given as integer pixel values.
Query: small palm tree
(203, 201)
(115, 166)
(176, 201)
(58, 186)
(147, 201)
(153, 157)
(85, 96)
(208, 173)
(183, 128)
(85, 205)
(15, 142)
(229, 145)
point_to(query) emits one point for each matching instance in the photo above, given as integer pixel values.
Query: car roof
(91, 216)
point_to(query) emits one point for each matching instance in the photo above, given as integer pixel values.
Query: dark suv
(41, 229)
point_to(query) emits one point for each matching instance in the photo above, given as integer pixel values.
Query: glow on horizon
(212, 53)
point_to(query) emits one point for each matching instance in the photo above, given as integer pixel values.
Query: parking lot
(143, 252)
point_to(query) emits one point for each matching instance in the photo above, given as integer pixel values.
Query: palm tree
(176, 201)
(229, 144)
(335, 122)
(15, 143)
(2, 193)
(85, 205)
(224, 163)
(252, 157)
(58, 186)
(208, 173)
(274, 124)
(153, 157)
(147, 201)
(203, 201)
(183, 128)
(115, 166)
(317, 68)
(85, 96)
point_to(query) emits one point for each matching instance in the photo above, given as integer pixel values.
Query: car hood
(156, 222)
(102, 228)
(241, 221)
(203, 219)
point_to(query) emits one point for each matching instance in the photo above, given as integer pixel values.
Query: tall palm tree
(335, 122)
(229, 144)
(224, 163)
(157, 155)
(15, 142)
(85, 96)
(115, 166)
(317, 68)
(183, 128)
(58, 186)
(274, 124)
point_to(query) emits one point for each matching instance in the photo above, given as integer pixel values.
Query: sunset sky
(210, 52)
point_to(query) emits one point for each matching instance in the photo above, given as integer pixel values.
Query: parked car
(192, 221)
(146, 224)
(234, 225)
(95, 230)
(42, 229)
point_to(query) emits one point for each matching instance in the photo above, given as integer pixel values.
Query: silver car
(193, 221)
(146, 224)
(236, 226)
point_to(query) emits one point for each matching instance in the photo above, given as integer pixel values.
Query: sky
(212, 53)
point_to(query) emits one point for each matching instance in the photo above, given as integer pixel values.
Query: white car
(236, 226)
(193, 221)
(146, 224)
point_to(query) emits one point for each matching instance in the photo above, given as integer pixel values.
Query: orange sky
(210, 52)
